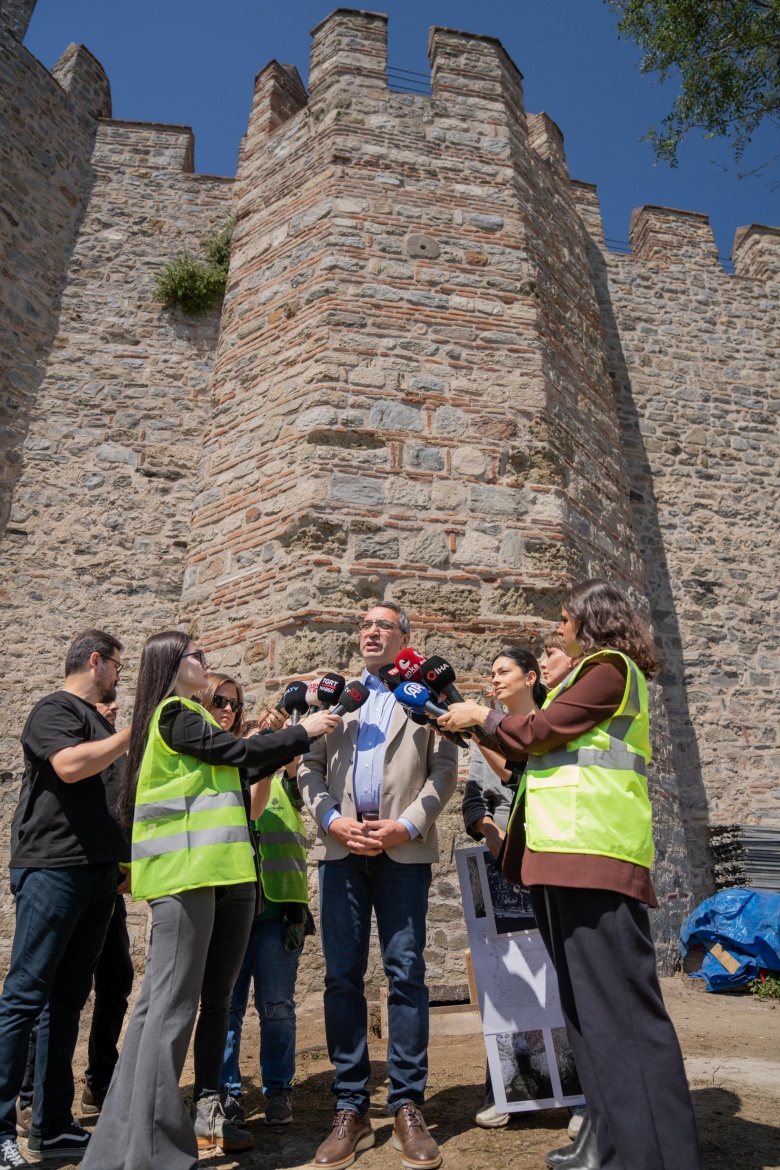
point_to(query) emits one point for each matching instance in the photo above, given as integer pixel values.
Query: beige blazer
(420, 775)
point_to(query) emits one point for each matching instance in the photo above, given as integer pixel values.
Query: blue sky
(193, 62)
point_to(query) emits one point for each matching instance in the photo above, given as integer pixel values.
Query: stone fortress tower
(431, 381)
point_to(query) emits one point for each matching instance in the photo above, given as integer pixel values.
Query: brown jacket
(420, 775)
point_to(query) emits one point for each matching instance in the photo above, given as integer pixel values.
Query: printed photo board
(531, 1063)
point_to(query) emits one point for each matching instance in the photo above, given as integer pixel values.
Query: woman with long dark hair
(491, 788)
(583, 844)
(191, 847)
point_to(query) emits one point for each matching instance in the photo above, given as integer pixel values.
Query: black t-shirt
(57, 824)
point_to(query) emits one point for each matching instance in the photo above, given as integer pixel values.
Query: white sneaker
(488, 1116)
(575, 1124)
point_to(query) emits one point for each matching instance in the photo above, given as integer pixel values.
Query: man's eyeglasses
(381, 624)
(198, 655)
(119, 666)
(221, 701)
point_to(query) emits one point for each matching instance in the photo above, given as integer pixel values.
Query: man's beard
(107, 691)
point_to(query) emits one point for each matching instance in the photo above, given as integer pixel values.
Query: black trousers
(625, 1046)
(113, 984)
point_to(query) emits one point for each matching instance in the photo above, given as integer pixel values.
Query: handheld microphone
(417, 698)
(408, 663)
(391, 677)
(294, 701)
(439, 675)
(330, 688)
(312, 698)
(353, 696)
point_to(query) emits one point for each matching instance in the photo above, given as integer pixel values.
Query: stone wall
(411, 393)
(693, 355)
(100, 519)
(47, 127)
(431, 381)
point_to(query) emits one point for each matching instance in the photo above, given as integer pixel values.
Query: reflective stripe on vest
(281, 845)
(187, 804)
(590, 795)
(189, 825)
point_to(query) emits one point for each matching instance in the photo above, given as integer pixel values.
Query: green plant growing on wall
(195, 286)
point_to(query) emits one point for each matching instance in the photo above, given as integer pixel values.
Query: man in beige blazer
(375, 787)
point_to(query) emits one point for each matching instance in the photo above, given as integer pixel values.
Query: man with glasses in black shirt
(67, 846)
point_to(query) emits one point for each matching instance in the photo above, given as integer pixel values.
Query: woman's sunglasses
(221, 702)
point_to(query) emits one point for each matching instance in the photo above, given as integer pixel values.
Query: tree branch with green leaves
(726, 54)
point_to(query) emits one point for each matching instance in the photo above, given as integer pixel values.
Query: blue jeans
(274, 971)
(398, 894)
(61, 920)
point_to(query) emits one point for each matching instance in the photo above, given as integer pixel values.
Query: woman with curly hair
(582, 841)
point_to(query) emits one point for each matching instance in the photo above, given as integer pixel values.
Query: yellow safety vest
(189, 827)
(281, 845)
(590, 795)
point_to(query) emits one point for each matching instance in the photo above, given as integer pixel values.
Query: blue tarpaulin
(746, 923)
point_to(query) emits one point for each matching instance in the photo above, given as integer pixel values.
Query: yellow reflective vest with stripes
(189, 827)
(590, 795)
(281, 845)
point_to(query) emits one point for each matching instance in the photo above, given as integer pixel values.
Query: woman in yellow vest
(276, 941)
(190, 848)
(582, 841)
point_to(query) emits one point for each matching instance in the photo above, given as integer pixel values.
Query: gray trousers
(144, 1123)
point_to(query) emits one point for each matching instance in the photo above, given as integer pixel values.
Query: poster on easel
(530, 1060)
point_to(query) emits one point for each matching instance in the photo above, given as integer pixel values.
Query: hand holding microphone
(353, 695)
(439, 676)
(416, 697)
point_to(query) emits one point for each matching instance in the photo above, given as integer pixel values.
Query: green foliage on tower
(195, 286)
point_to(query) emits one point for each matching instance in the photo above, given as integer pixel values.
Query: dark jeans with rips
(625, 1046)
(113, 984)
(398, 894)
(61, 920)
(274, 971)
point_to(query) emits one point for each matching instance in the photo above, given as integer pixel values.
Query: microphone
(330, 688)
(312, 698)
(408, 663)
(353, 696)
(417, 698)
(439, 675)
(294, 701)
(391, 677)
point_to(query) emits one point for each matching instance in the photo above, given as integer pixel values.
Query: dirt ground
(731, 1051)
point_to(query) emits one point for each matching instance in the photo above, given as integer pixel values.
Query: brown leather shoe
(350, 1134)
(410, 1135)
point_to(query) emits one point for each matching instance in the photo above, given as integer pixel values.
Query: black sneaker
(278, 1111)
(10, 1155)
(234, 1110)
(70, 1144)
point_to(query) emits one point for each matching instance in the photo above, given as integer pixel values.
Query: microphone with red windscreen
(408, 663)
